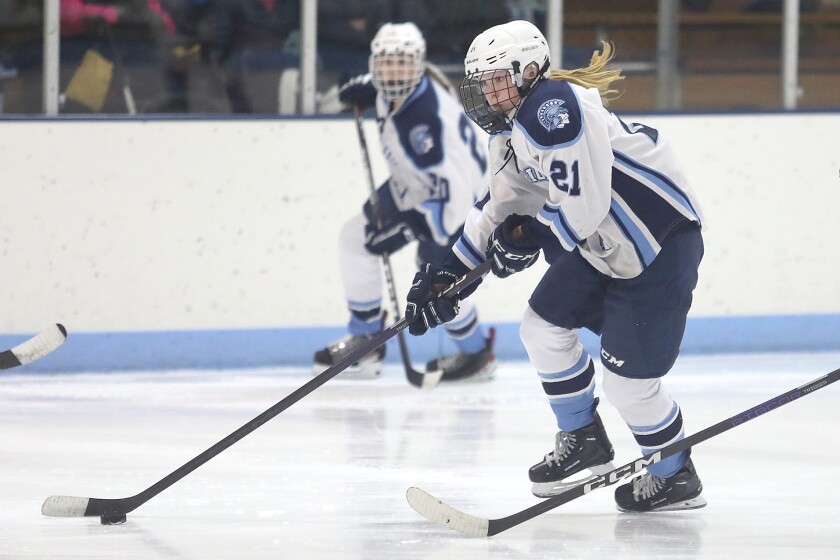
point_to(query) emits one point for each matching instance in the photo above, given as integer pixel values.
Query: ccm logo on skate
(620, 473)
(611, 359)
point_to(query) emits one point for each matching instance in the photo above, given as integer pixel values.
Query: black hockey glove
(426, 309)
(358, 90)
(389, 239)
(509, 256)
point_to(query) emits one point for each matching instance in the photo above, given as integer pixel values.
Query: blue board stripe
(247, 348)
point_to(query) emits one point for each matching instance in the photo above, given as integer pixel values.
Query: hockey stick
(414, 377)
(36, 347)
(434, 510)
(114, 510)
(128, 96)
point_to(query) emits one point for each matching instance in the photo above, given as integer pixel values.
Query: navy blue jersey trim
(657, 215)
(479, 204)
(421, 88)
(472, 249)
(667, 182)
(548, 241)
(629, 237)
(561, 219)
(551, 115)
(419, 127)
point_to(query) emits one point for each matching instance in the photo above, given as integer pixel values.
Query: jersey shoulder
(419, 127)
(551, 115)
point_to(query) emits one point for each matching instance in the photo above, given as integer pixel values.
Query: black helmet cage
(476, 105)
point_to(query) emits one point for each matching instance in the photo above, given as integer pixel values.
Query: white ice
(327, 478)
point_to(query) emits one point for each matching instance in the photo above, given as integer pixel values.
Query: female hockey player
(608, 204)
(438, 168)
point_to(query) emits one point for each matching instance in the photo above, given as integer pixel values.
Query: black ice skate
(467, 367)
(369, 367)
(651, 493)
(585, 449)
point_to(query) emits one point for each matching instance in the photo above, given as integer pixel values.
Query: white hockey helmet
(397, 59)
(517, 48)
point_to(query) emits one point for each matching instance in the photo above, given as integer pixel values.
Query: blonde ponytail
(595, 75)
(437, 75)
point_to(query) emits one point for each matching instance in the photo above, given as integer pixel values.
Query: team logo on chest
(553, 115)
(420, 138)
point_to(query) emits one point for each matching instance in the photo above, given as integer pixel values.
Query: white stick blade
(431, 379)
(64, 506)
(434, 510)
(41, 344)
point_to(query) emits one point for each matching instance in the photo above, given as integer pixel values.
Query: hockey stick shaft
(71, 506)
(437, 511)
(128, 96)
(413, 376)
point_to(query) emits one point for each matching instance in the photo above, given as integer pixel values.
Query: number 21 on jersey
(565, 177)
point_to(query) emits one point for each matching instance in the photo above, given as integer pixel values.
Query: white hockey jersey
(611, 190)
(436, 155)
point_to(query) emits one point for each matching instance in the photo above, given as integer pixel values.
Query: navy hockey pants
(641, 320)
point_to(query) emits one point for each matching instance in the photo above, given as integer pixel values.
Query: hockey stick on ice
(114, 510)
(433, 509)
(36, 347)
(414, 377)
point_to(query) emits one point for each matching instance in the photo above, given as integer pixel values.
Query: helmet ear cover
(528, 77)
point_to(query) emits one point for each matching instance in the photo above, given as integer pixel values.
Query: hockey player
(438, 164)
(610, 208)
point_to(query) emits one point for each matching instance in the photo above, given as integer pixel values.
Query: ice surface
(327, 478)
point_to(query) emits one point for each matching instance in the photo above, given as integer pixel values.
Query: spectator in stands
(347, 27)
(77, 16)
(218, 34)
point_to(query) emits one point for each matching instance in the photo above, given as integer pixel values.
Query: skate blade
(486, 373)
(694, 503)
(549, 489)
(682, 505)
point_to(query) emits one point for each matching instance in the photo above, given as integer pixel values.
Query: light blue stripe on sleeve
(632, 229)
(563, 222)
(467, 251)
(549, 218)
